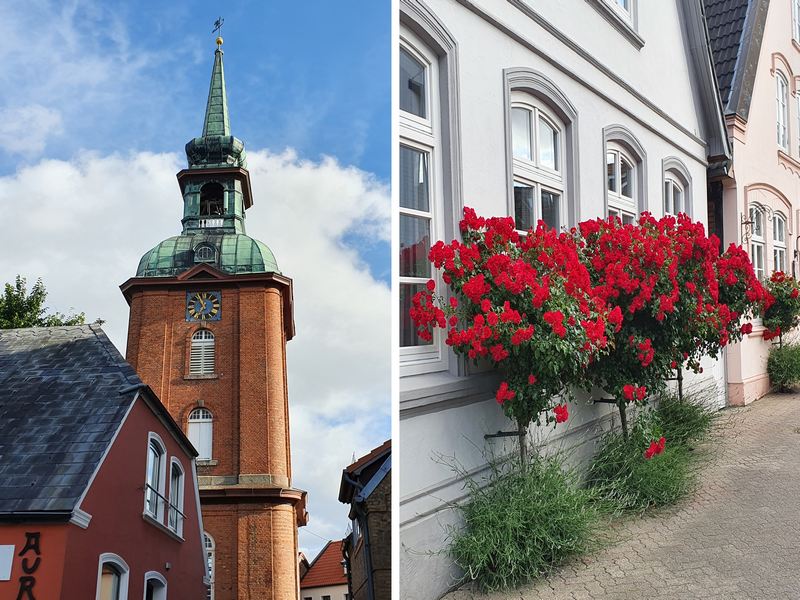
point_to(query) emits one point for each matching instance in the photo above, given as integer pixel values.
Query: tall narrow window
(757, 241)
(673, 196)
(154, 481)
(796, 20)
(208, 544)
(536, 141)
(112, 577)
(621, 183)
(779, 243)
(782, 101)
(201, 432)
(421, 196)
(155, 586)
(201, 356)
(175, 517)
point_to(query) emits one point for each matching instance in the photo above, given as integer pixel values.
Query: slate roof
(736, 28)
(326, 569)
(60, 405)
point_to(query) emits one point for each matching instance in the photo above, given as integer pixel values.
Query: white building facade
(562, 111)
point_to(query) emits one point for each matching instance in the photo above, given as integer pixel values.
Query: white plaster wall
(447, 421)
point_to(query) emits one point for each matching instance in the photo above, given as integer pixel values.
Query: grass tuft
(522, 524)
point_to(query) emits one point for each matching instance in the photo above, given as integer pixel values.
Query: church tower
(210, 315)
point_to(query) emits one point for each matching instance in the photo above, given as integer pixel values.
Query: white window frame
(154, 440)
(621, 206)
(175, 516)
(757, 242)
(532, 173)
(424, 135)
(628, 14)
(782, 110)
(779, 242)
(796, 20)
(202, 352)
(122, 567)
(161, 594)
(671, 184)
(200, 425)
(210, 552)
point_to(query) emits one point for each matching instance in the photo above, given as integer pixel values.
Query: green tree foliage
(18, 308)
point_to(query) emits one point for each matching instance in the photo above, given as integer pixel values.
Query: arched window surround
(542, 89)
(161, 593)
(624, 138)
(673, 167)
(122, 567)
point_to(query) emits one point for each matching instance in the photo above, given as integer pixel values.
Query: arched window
(677, 187)
(112, 578)
(779, 242)
(626, 174)
(201, 432)
(757, 240)
(212, 200)
(155, 477)
(201, 355)
(155, 586)
(621, 183)
(782, 101)
(208, 544)
(536, 138)
(204, 253)
(175, 516)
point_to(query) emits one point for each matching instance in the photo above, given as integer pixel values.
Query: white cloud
(25, 129)
(82, 226)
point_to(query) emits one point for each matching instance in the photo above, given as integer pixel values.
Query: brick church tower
(210, 315)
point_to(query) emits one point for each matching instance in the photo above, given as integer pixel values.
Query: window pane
(412, 85)
(677, 199)
(627, 219)
(414, 191)
(550, 208)
(548, 145)
(415, 244)
(521, 133)
(667, 197)
(523, 206)
(611, 160)
(624, 4)
(109, 583)
(626, 177)
(408, 331)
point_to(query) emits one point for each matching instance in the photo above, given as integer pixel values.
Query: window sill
(206, 462)
(619, 23)
(153, 521)
(796, 44)
(439, 391)
(205, 376)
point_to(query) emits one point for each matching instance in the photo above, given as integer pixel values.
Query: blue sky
(101, 98)
(313, 76)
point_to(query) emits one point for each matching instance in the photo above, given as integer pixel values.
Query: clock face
(203, 306)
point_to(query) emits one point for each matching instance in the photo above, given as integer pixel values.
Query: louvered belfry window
(201, 359)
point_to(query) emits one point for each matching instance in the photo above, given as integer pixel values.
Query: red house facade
(98, 493)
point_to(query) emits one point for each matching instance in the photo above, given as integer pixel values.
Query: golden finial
(219, 42)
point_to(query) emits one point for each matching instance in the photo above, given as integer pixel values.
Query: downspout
(367, 546)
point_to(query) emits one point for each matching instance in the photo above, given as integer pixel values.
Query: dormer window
(205, 254)
(212, 200)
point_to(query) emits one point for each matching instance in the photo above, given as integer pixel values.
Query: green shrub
(522, 524)
(683, 422)
(783, 365)
(622, 475)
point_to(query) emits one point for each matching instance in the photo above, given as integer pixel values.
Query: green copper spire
(216, 148)
(217, 122)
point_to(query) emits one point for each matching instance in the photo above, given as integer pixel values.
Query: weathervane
(218, 27)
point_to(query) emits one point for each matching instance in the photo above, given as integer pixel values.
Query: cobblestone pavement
(736, 538)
